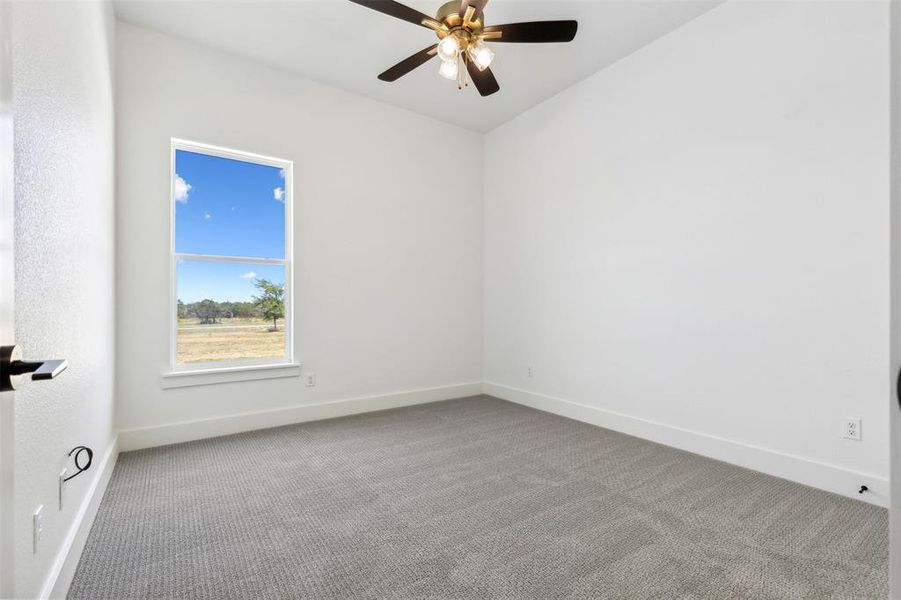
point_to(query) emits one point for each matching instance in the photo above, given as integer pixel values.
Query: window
(231, 259)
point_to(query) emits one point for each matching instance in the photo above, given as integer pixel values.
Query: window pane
(220, 317)
(228, 207)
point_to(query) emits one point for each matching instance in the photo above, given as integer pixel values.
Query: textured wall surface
(64, 259)
(697, 236)
(894, 407)
(387, 270)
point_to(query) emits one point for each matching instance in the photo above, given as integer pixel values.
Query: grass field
(229, 340)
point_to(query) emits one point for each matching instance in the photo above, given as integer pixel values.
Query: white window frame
(180, 375)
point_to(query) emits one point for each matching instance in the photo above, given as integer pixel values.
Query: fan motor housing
(449, 14)
(447, 9)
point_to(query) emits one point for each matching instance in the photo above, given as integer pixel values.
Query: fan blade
(477, 5)
(397, 10)
(408, 64)
(483, 80)
(535, 32)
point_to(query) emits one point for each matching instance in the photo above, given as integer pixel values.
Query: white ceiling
(346, 45)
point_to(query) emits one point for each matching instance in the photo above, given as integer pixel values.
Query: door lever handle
(47, 369)
(13, 368)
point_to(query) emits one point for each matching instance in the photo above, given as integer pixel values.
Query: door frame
(7, 301)
(894, 415)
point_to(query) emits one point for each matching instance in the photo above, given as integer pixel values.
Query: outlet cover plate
(851, 430)
(62, 487)
(37, 527)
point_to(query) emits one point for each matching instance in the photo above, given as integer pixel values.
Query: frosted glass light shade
(449, 69)
(481, 55)
(449, 48)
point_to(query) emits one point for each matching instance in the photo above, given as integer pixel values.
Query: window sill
(177, 379)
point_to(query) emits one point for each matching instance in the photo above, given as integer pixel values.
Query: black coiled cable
(79, 451)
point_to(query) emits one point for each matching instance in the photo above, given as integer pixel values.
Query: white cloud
(281, 173)
(249, 275)
(182, 188)
(207, 216)
(279, 194)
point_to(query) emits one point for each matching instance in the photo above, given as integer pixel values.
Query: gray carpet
(471, 498)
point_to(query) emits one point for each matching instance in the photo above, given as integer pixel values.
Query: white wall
(695, 241)
(388, 256)
(894, 391)
(63, 110)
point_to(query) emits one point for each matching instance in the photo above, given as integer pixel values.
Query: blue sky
(222, 281)
(228, 208)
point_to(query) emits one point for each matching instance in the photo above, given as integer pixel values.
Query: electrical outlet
(62, 486)
(37, 524)
(311, 379)
(851, 430)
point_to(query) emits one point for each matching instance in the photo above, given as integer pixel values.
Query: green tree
(271, 300)
(228, 310)
(208, 311)
(182, 310)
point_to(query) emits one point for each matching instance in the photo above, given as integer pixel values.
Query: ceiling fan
(460, 27)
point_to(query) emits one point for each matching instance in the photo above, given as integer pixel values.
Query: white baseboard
(173, 433)
(794, 468)
(57, 583)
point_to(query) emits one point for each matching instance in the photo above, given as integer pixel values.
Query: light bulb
(481, 55)
(449, 48)
(448, 69)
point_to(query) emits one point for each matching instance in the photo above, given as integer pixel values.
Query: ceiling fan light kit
(449, 69)
(481, 55)
(462, 35)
